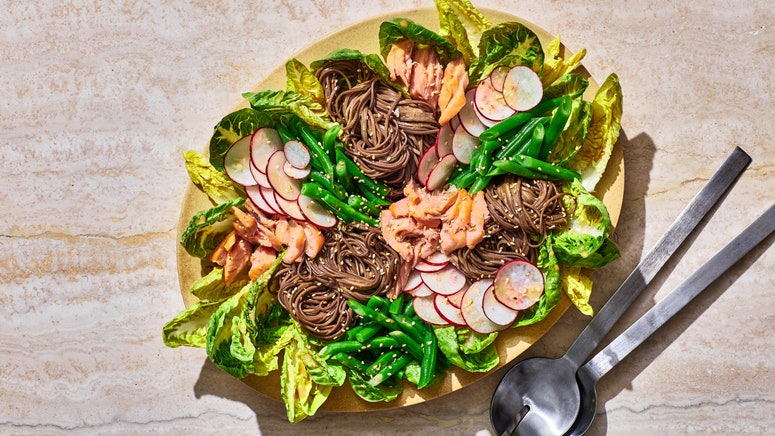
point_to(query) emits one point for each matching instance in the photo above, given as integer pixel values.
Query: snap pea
(352, 331)
(517, 143)
(343, 177)
(480, 183)
(536, 141)
(378, 303)
(390, 370)
(381, 342)
(397, 305)
(329, 141)
(409, 325)
(556, 126)
(323, 180)
(504, 166)
(372, 197)
(341, 347)
(285, 134)
(503, 127)
(371, 314)
(367, 332)
(428, 361)
(545, 168)
(407, 343)
(359, 177)
(350, 361)
(482, 157)
(463, 178)
(362, 205)
(383, 361)
(315, 147)
(337, 206)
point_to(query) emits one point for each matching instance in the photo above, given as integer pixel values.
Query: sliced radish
(270, 198)
(425, 308)
(472, 309)
(236, 162)
(446, 281)
(498, 77)
(437, 258)
(284, 185)
(423, 266)
(263, 144)
(486, 121)
(295, 172)
(259, 176)
(464, 145)
(490, 103)
(254, 194)
(468, 118)
(448, 311)
(518, 284)
(290, 208)
(496, 311)
(523, 88)
(316, 213)
(454, 123)
(296, 153)
(440, 172)
(413, 281)
(444, 140)
(421, 291)
(427, 161)
(456, 299)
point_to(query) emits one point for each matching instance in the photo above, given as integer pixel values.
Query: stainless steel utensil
(540, 395)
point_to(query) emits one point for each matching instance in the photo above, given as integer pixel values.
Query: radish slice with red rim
(425, 308)
(284, 185)
(428, 267)
(446, 281)
(523, 88)
(254, 194)
(316, 213)
(264, 142)
(295, 172)
(490, 103)
(441, 172)
(518, 284)
(270, 198)
(496, 311)
(290, 208)
(296, 153)
(236, 162)
(437, 258)
(444, 140)
(413, 281)
(498, 77)
(421, 291)
(472, 309)
(428, 160)
(464, 145)
(260, 177)
(468, 118)
(454, 123)
(448, 311)
(456, 299)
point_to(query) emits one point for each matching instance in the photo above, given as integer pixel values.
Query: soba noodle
(355, 262)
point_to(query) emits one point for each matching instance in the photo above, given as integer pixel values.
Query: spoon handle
(650, 265)
(652, 320)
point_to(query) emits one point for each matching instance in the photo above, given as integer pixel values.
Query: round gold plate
(512, 342)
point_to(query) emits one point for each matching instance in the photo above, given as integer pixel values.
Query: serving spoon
(540, 396)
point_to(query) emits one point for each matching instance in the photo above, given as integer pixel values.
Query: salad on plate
(387, 217)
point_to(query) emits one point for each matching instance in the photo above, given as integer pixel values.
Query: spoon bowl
(587, 382)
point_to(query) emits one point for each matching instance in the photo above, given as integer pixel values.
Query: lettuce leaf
(385, 391)
(571, 83)
(507, 44)
(592, 158)
(555, 66)
(218, 187)
(278, 104)
(584, 242)
(211, 286)
(577, 285)
(231, 128)
(573, 135)
(189, 327)
(462, 24)
(398, 29)
(548, 264)
(371, 61)
(299, 79)
(482, 355)
(207, 228)
(306, 380)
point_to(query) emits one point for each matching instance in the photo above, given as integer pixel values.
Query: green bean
(463, 178)
(367, 332)
(480, 183)
(397, 305)
(337, 206)
(352, 331)
(378, 301)
(381, 342)
(428, 361)
(341, 347)
(359, 177)
(285, 134)
(329, 141)
(314, 146)
(409, 325)
(372, 197)
(503, 127)
(344, 178)
(407, 343)
(533, 149)
(556, 126)
(409, 310)
(509, 166)
(390, 370)
(517, 143)
(382, 361)
(323, 180)
(350, 362)
(363, 205)
(371, 314)
(547, 169)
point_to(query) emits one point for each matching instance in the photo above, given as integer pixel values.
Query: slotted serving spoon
(540, 395)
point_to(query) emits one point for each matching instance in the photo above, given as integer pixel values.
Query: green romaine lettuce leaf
(549, 266)
(507, 44)
(189, 327)
(385, 391)
(577, 285)
(571, 83)
(398, 29)
(573, 135)
(462, 24)
(593, 156)
(584, 242)
(211, 286)
(278, 104)
(371, 61)
(212, 182)
(555, 66)
(299, 79)
(451, 342)
(207, 228)
(233, 127)
(306, 380)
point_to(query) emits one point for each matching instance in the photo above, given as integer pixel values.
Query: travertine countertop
(100, 98)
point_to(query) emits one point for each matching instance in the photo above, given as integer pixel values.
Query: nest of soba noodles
(385, 133)
(355, 262)
(523, 211)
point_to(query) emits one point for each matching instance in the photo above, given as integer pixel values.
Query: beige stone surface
(99, 99)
